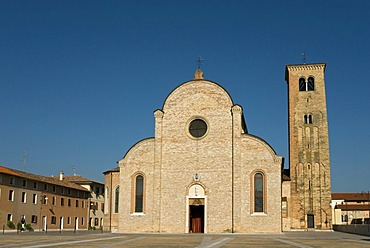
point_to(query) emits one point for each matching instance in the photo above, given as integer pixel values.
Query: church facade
(203, 172)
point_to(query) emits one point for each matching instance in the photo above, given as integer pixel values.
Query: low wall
(361, 229)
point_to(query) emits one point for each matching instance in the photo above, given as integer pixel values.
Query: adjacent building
(350, 208)
(95, 201)
(43, 203)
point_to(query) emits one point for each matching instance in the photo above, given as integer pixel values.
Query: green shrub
(10, 224)
(29, 227)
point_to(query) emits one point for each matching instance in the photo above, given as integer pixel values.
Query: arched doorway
(196, 209)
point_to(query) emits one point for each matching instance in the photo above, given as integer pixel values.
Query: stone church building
(203, 172)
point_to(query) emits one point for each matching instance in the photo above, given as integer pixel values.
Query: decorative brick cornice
(306, 67)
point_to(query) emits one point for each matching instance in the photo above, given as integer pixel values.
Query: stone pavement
(93, 239)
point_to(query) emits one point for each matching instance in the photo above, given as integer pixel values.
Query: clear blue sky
(79, 80)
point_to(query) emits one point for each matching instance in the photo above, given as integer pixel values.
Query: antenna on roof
(303, 54)
(24, 159)
(74, 169)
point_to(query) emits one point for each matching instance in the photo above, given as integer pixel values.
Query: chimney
(61, 176)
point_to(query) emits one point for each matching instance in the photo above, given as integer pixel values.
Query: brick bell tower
(309, 160)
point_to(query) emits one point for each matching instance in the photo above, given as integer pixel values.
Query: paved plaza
(110, 240)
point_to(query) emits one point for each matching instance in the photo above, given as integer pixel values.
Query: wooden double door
(196, 219)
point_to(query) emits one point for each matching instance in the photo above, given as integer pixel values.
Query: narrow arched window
(139, 194)
(311, 84)
(116, 200)
(309, 119)
(258, 192)
(302, 84)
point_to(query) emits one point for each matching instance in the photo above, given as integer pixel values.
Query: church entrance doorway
(196, 218)
(310, 221)
(196, 209)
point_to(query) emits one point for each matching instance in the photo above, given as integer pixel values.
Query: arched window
(307, 86)
(302, 84)
(116, 200)
(139, 194)
(307, 119)
(258, 192)
(311, 84)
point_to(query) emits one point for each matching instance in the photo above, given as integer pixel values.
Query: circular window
(198, 128)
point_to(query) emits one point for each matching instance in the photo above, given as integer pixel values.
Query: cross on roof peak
(199, 61)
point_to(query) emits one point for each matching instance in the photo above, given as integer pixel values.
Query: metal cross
(200, 61)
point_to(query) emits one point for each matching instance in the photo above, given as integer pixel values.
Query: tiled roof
(50, 180)
(8, 171)
(364, 196)
(111, 170)
(353, 207)
(80, 179)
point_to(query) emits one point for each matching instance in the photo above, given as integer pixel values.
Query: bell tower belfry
(309, 161)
